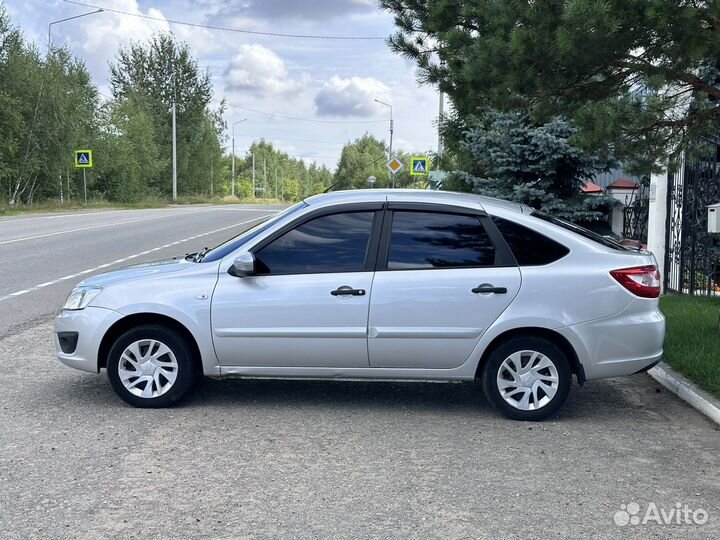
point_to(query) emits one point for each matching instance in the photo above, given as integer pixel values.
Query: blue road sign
(83, 159)
(419, 166)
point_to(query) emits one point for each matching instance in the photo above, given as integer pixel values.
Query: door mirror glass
(243, 265)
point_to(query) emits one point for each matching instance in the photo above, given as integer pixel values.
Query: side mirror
(243, 265)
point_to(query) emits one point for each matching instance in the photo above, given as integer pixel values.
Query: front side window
(437, 240)
(332, 243)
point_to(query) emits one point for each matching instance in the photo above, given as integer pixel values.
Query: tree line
(50, 107)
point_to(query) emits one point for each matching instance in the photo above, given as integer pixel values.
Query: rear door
(443, 276)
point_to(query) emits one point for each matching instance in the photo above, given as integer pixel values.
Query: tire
(540, 390)
(151, 355)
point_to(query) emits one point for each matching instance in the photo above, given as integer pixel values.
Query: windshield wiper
(200, 254)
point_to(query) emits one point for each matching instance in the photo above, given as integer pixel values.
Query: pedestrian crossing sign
(419, 166)
(83, 159)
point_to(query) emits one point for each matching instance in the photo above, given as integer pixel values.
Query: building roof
(591, 187)
(623, 183)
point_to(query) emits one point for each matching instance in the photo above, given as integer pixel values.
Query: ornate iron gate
(635, 215)
(691, 253)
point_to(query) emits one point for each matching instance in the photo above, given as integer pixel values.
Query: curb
(687, 391)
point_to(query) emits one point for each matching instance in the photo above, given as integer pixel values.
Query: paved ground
(290, 459)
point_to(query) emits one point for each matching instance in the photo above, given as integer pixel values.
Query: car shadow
(604, 399)
(338, 394)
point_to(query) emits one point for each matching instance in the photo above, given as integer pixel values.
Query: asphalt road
(43, 257)
(294, 459)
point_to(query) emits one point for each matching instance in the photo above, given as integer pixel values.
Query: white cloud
(258, 70)
(294, 9)
(107, 31)
(351, 97)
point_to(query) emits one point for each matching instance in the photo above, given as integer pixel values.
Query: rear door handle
(346, 290)
(487, 288)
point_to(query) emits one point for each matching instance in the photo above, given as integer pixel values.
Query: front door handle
(487, 288)
(346, 290)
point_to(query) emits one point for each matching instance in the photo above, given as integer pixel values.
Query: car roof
(467, 200)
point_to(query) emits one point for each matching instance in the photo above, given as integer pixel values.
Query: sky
(266, 79)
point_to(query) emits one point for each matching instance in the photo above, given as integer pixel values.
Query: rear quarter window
(529, 247)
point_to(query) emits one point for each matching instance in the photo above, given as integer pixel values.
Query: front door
(438, 287)
(308, 304)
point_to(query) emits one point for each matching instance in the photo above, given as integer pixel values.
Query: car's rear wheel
(151, 366)
(527, 378)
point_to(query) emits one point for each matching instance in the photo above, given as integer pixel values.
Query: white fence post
(657, 218)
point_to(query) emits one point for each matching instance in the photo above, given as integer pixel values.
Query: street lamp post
(233, 153)
(69, 19)
(42, 83)
(390, 175)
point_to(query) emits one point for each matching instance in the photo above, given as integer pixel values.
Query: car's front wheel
(151, 366)
(527, 378)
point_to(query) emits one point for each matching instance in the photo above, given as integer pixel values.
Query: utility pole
(390, 154)
(264, 178)
(253, 159)
(211, 178)
(61, 191)
(174, 152)
(440, 119)
(233, 153)
(276, 184)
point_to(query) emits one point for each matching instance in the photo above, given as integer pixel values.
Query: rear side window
(529, 247)
(332, 243)
(582, 231)
(421, 240)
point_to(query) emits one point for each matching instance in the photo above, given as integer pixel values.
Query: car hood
(166, 266)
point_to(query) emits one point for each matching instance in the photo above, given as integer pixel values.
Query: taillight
(643, 281)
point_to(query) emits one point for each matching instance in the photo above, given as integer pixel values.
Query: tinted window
(231, 245)
(582, 231)
(435, 240)
(529, 247)
(334, 243)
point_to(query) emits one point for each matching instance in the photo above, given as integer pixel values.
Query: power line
(306, 119)
(226, 28)
(273, 138)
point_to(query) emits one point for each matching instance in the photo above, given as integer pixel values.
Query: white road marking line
(93, 227)
(23, 219)
(125, 259)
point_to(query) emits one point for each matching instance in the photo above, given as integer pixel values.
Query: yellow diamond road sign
(394, 165)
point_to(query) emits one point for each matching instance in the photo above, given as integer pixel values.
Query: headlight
(80, 297)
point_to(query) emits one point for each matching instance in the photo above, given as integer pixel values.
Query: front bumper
(90, 325)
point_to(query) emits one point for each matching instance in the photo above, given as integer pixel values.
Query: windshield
(218, 252)
(582, 231)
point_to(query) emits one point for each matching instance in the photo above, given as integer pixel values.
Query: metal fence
(635, 215)
(691, 253)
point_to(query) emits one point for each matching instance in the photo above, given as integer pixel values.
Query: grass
(692, 342)
(101, 204)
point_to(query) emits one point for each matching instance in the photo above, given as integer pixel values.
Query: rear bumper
(628, 343)
(89, 325)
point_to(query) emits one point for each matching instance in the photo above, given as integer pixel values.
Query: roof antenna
(330, 188)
